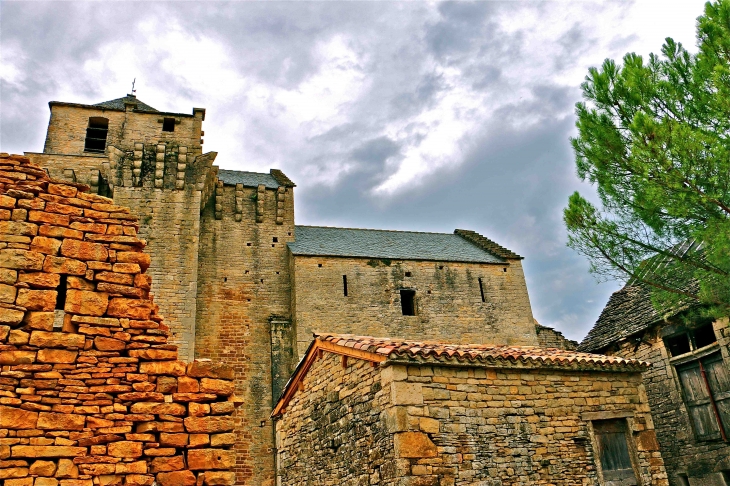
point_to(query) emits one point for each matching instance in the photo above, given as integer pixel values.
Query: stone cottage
(363, 410)
(688, 384)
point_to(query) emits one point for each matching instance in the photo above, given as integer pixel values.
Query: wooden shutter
(613, 451)
(718, 377)
(697, 400)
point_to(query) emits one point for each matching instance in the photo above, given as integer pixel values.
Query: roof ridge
(486, 244)
(373, 229)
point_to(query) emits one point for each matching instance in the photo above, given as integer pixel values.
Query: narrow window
(408, 274)
(61, 295)
(683, 479)
(408, 302)
(168, 125)
(96, 135)
(481, 289)
(613, 452)
(275, 239)
(344, 285)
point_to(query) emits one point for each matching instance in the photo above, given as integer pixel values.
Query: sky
(420, 116)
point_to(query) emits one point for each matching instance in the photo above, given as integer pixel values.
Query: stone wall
(441, 424)
(91, 393)
(243, 288)
(335, 433)
(682, 453)
(551, 338)
(449, 304)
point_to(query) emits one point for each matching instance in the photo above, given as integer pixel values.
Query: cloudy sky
(397, 115)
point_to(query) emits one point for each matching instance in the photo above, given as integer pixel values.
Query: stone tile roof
(385, 244)
(380, 350)
(486, 244)
(437, 351)
(248, 179)
(118, 104)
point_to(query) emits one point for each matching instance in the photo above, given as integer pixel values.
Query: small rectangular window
(61, 293)
(96, 135)
(678, 344)
(408, 302)
(344, 285)
(704, 336)
(481, 289)
(168, 125)
(613, 452)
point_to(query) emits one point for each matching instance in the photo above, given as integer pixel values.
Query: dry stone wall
(91, 393)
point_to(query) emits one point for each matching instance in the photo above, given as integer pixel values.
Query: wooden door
(698, 402)
(613, 452)
(718, 377)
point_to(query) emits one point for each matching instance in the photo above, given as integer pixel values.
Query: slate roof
(629, 311)
(248, 179)
(385, 244)
(118, 104)
(485, 353)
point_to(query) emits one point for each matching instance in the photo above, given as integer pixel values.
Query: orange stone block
(56, 356)
(159, 408)
(17, 357)
(10, 316)
(64, 265)
(167, 464)
(60, 232)
(108, 344)
(414, 445)
(17, 418)
(84, 250)
(45, 339)
(176, 478)
(132, 308)
(86, 302)
(47, 246)
(37, 300)
(219, 478)
(40, 279)
(172, 368)
(202, 459)
(121, 290)
(154, 354)
(60, 421)
(62, 190)
(35, 216)
(185, 384)
(142, 259)
(114, 277)
(209, 369)
(208, 425)
(219, 387)
(47, 451)
(124, 448)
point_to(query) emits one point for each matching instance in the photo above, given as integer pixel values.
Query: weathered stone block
(84, 250)
(63, 265)
(202, 459)
(219, 387)
(172, 368)
(44, 339)
(37, 300)
(414, 445)
(56, 356)
(124, 449)
(21, 259)
(17, 418)
(131, 308)
(176, 478)
(10, 316)
(17, 357)
(219, 478)
(86, 302)
(40, 279)
(47, 451)
(60, 421)
(208, 425)
(45, 245)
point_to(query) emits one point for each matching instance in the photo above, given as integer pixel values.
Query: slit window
(408, 302)
(168, 125)
(344, 285)
(61, 294)
(96, 135)
(481, 289)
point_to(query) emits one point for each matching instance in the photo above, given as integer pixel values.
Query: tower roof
(118, 104)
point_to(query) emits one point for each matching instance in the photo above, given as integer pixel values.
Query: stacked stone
(91, 393)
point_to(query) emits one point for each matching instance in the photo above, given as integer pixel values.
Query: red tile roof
(485, 353)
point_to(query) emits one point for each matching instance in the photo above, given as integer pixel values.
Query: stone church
(287, 305)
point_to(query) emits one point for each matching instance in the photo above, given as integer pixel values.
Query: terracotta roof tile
(437, 351)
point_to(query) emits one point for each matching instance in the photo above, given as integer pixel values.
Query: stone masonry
(91, 392)
(363, 410)
(227, 281)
